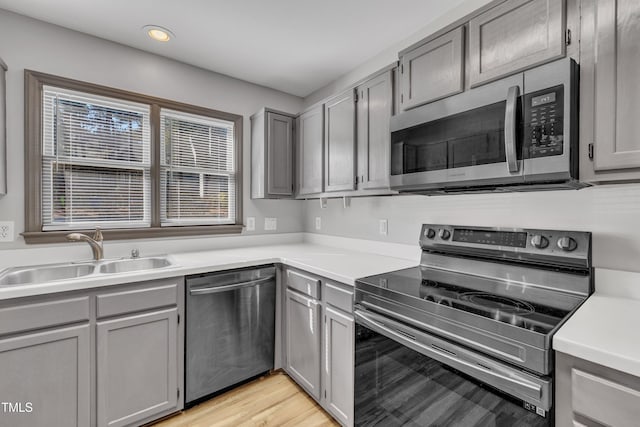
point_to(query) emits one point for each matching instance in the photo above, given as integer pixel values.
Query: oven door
(470, 139)
(404, 377)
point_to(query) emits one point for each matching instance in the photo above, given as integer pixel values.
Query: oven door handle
(510, 124)
(445, 353)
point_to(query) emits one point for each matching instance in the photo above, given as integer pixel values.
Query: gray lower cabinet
(432, 70)
(515, 35)
(46, 376)
(374, 110)
(340, 142)
(137, 367)
(339, 329)
(272, 165)
(303, 341)
(310, 153)
(588, 394)
(107, 357)
(609, 107)
(319, 340)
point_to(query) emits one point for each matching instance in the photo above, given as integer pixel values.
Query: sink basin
(131, 265)
(42, 274)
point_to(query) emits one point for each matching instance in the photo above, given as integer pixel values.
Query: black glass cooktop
(500, 300)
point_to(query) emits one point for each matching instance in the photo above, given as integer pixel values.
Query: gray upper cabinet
(3, 128)
(51, 371)
(272, 166)
(514, 36)
(137, 367)
(303, 341)
(609, 108)
(433, 70)
(588, 394)
(374, 110)
(310, 126)
(340, 142)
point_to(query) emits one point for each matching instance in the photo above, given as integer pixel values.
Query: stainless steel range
(465, 338)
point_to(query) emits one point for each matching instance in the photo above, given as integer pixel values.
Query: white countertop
(606, 328)
(342, 265)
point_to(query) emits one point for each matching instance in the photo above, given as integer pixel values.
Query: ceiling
(296, 46)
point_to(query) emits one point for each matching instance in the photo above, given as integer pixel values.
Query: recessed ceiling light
(158, 33)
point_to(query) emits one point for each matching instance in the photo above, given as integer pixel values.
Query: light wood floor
(274, 400)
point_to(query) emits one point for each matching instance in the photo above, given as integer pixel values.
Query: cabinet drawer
(603, 400)
(43, 315)
(306, 284)
(338, 296)
(130, 301)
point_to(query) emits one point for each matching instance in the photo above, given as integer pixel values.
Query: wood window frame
(34, 82)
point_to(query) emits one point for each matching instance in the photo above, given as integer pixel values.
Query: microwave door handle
(510, 124)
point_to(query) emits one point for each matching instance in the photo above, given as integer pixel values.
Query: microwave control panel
(544, 122)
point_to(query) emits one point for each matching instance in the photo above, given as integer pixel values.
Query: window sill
(39, 237)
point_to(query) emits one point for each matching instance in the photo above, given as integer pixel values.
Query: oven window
(396, 386)
(472, 138)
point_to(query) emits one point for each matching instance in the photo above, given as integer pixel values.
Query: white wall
(611, 213)
(30, 44)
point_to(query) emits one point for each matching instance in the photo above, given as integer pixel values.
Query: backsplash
(610, 212)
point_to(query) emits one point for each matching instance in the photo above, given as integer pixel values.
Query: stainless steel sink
(131, 265)
(42, 274)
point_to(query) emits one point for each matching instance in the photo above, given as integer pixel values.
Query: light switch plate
(6, 231)
(251, 223)
(270, 224)
(318, 223)
(383, 227)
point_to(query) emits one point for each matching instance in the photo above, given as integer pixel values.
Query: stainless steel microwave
(515, 134)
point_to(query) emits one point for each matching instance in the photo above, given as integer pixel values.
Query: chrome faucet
(95, 242)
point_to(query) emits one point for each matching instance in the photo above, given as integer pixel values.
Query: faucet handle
(97, 236)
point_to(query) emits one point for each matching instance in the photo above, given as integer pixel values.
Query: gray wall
(611, 213)
(30, 44)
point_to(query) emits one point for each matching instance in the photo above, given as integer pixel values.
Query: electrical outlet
(270, 224)
(383, 227)
(318, 223)
(251, 223)
(6, 231)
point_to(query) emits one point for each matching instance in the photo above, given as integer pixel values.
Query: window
(134, 165)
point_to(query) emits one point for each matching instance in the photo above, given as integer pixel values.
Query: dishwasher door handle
(233, 287)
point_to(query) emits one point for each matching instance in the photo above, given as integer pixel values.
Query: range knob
(444, 234)
(430, 233)
(567, 244)
(539, 241)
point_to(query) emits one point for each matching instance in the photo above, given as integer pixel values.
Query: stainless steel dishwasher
(230, 329)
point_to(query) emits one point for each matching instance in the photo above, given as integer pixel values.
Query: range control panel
(544, 122)
(557, 247)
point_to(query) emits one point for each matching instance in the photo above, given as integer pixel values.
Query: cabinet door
(303, 342)
(513, 36)
(339, 365)
(310, 152)
(375, 106)
(137, 367)
(432, 71)
(340, 143)
(616, 61)
(48, 372)
(279, 155)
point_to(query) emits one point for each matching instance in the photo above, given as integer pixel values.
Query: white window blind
(198, 177)
(95, 161)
